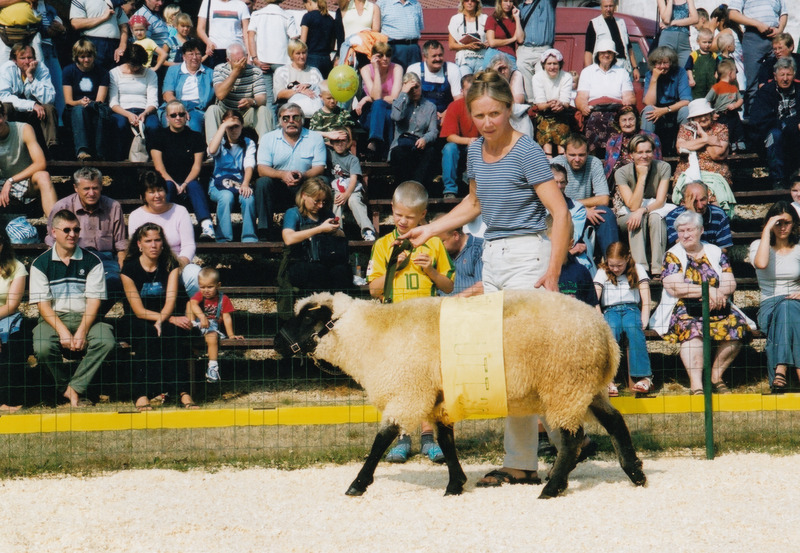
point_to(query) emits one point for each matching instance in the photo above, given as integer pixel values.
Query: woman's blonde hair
(296, 45)
(478, 7)
(83, 47)
(498, 9)
(322, 5)
(382, 48)
(170, 13)
(492, 84)
(312, 187)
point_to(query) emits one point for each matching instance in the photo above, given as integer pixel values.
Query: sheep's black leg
(614, 423)
(566, 460)
(383, 440)
(447, 442)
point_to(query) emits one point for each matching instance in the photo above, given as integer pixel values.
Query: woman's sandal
(497, 478)
(613, 391)
(720, 388)
(188, 404)
(644, 386)
(696, 392)
(779, 384)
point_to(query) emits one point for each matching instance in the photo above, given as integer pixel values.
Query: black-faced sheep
(559, 357)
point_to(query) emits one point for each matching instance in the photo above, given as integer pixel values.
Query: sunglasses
(70, 230)
(287, 118)
(176, 115)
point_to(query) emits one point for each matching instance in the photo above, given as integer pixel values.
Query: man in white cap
(607, 27)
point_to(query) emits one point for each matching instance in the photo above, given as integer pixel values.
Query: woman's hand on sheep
(549, 282)
(418, 235)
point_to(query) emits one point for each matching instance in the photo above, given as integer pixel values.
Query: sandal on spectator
(644, 386)
(613, 391)
(720, 388)
(696, 392)
(497, 478)
(779, 384)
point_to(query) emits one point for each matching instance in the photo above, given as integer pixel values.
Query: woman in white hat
(603, 88)
(552, 92)
(709, 138)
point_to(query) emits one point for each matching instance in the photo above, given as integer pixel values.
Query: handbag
(227, 182)
(327, 248)
(407, 140)
(694, 308)
(138, 152)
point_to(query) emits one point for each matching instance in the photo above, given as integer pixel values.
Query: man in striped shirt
(68, 284)
(239, 86)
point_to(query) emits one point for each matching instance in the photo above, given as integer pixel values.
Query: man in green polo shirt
(68, 284)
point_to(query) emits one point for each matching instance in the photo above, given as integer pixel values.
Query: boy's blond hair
(323, 87)
(724, 42)
(209, 273)
(411, 194)
(724, 68)
(704, 32)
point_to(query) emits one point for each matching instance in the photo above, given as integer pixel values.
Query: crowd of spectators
(247, 88)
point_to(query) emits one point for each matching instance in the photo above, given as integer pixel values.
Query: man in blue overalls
(441, 81)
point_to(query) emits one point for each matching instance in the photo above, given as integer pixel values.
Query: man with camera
(286, 156)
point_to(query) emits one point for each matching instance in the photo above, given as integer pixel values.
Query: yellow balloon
(343, 82)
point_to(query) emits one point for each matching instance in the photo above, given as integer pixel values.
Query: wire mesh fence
(287, 412)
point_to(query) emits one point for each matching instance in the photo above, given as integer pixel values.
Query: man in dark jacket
(775, 116)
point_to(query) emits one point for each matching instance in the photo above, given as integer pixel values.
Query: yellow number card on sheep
(471, 339)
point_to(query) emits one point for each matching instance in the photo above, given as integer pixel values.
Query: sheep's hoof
(551, 490)
(454, 491)
(637, 476)
(354, 492)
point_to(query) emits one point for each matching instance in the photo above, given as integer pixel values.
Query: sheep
(559, 357)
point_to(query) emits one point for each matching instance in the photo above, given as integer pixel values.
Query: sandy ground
(742, 502)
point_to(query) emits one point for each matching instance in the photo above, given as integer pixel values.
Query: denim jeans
(451, 153)
(472, 65)
(607, 232)
(781, 145)
(194, 192)
(378, 121)
(754, 48)
(626, 318)
(225, 199)
(779, 319)
(89, 125)
(51, 61)
(114, 290)
(405, 54)
(124, 134)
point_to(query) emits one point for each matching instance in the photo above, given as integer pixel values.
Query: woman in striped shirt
(512, 189)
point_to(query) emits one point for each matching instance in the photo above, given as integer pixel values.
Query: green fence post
(709, 412)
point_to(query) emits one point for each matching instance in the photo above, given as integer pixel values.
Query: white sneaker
(369, 236)
(212, 374)
(207, 231)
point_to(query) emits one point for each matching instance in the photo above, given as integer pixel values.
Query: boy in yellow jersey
(429, 269)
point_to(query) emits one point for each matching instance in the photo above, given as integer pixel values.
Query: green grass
(85, 453)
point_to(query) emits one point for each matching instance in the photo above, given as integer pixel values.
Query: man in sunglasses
(286, 157)
(68, 284)
(177, 153)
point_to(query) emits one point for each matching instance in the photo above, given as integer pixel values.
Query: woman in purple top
(175, 221)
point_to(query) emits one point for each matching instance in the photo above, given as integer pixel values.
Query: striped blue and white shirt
(506, 188)
(158, 29)
(401, 21)
(766, 11)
